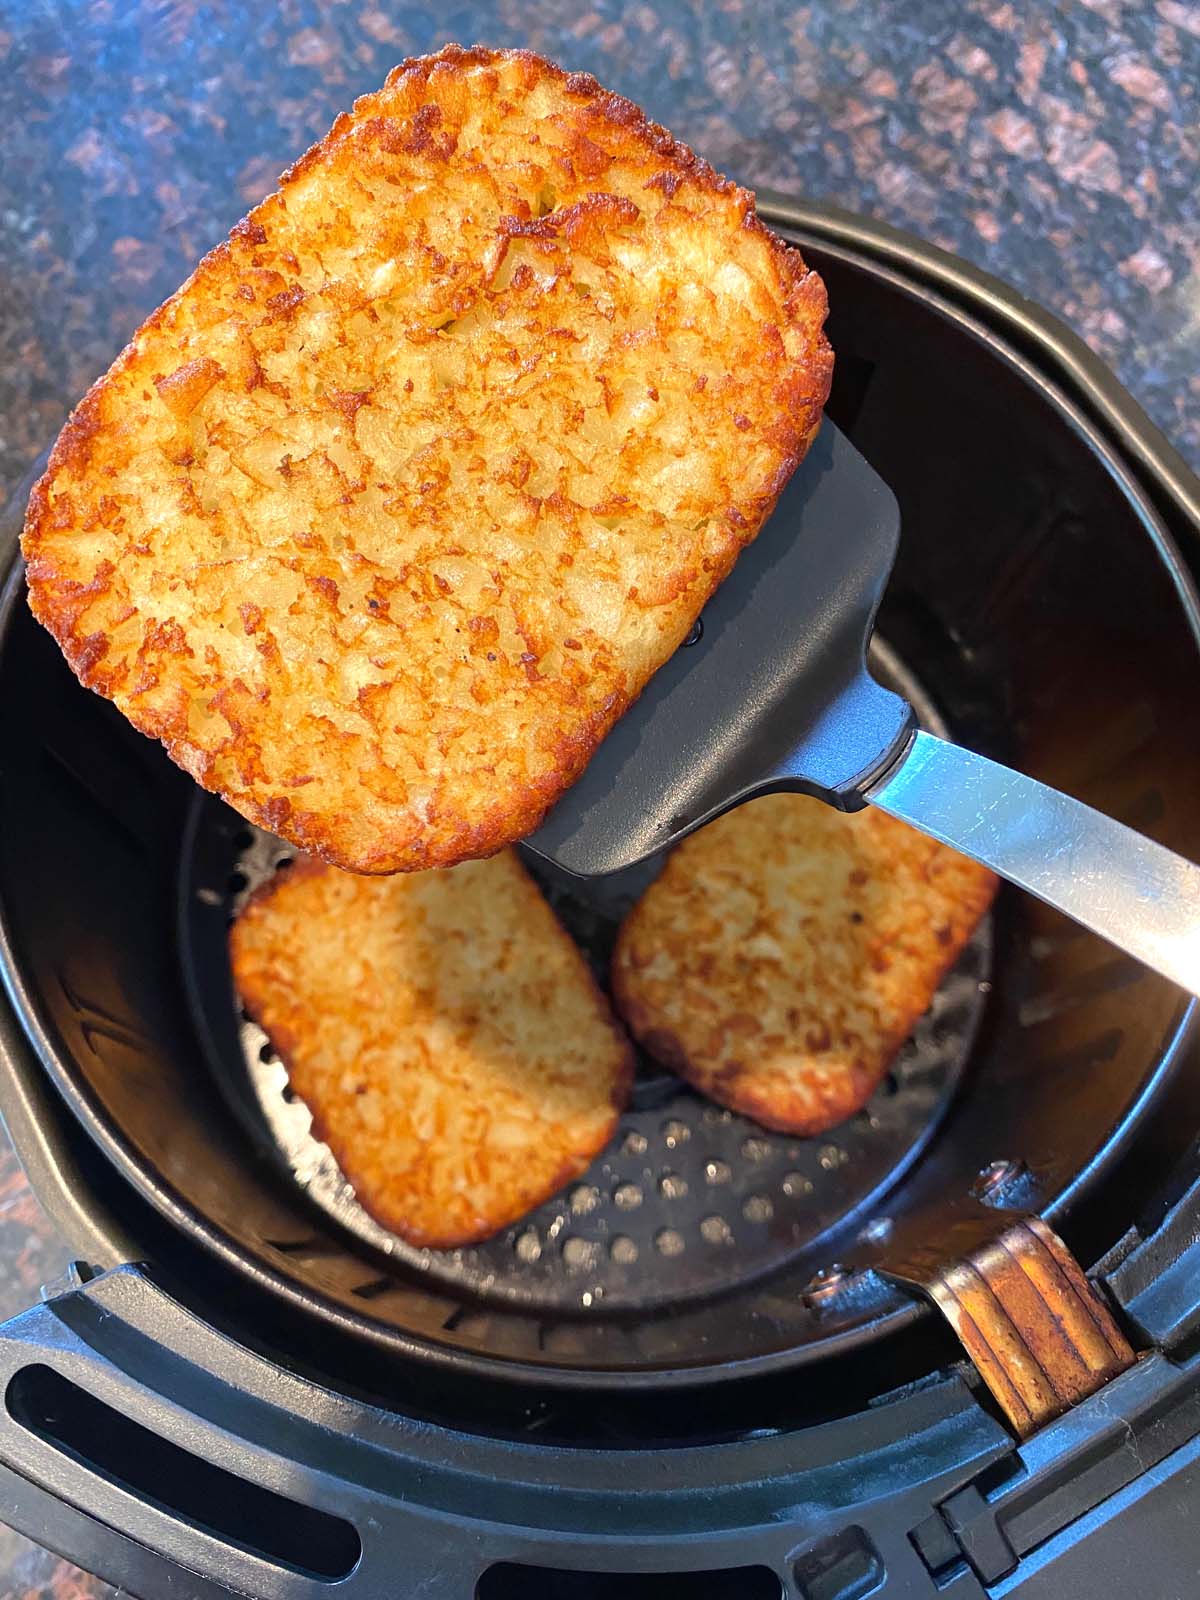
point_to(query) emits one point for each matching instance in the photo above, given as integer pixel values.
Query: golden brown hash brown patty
(785, 953)
(383, 519)
(445, 1033)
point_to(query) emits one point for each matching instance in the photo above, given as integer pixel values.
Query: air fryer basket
(1039, 606)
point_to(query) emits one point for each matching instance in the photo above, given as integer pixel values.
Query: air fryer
(711, 1355)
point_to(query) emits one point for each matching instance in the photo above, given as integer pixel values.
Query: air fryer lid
(1037, 604)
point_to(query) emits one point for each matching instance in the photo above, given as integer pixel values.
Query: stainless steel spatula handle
(1140, 896)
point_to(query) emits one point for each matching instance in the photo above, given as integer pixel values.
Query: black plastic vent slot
(512, 1581)
(164, 1475)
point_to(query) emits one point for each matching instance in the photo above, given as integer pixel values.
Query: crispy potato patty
(384, 518)
(444, 1031)
(786, 951)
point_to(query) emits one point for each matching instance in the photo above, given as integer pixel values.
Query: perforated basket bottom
(688, 1202)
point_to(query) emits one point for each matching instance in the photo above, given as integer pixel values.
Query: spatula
(775, 694)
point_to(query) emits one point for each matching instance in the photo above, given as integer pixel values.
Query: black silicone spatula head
(774, 694)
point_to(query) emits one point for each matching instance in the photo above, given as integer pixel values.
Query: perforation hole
(527, 1246)
(579, 1254)
(715, 1230)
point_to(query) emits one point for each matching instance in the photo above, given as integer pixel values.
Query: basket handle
(1039, 1333)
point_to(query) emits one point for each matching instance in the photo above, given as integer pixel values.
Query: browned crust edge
(285, 1045)
(525, 808)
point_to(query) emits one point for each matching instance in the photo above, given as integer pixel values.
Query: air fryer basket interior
(1034, 605)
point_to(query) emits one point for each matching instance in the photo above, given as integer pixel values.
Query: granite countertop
(1056, 146)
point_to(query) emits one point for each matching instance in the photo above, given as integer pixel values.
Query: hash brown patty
(445, 1033)
(784, 954)
(384, 518)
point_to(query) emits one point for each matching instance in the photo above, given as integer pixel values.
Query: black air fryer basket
(706, 1358)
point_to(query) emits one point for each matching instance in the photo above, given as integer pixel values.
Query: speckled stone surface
(1058, 146)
